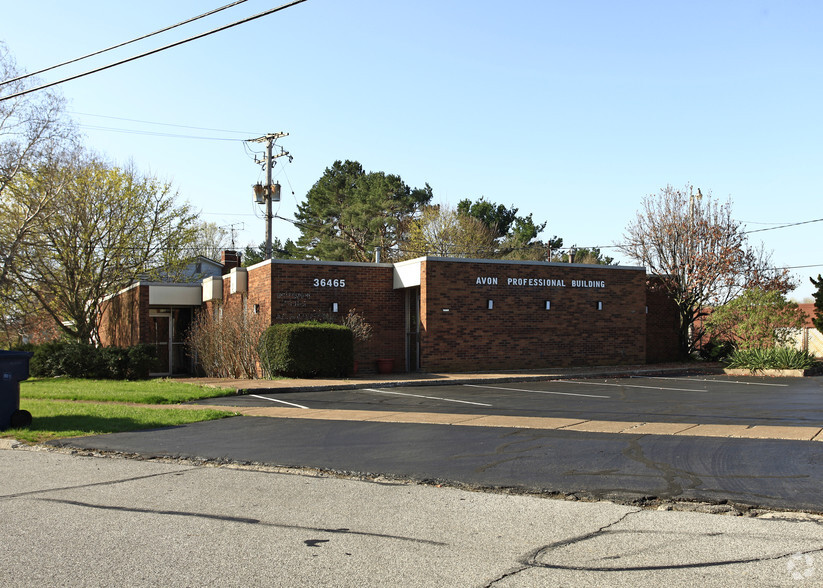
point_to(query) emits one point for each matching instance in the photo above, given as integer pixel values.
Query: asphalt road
(90, 521)
(623, 467)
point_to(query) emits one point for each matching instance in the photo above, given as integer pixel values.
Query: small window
(547, 305)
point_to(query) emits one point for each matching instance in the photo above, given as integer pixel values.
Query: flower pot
(385, 366)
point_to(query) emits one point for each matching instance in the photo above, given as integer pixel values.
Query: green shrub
(716, 350)
(307, 350)
(113, 363)
(80, 360)
(774, 358)
(47, 360)
(142, 361)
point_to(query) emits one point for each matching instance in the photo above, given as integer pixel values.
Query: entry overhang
(175, 295)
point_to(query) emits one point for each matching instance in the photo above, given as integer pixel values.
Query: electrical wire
(153, 51)
(157, 32)
(148, 122)
(817, 220)
(154, 133)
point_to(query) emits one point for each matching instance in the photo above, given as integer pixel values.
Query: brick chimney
(229, 259)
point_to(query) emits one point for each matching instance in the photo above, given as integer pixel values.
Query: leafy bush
(306, 350)
(142, 361)
(114, 363)
(80, 360)
(716, 350)
(774, 358)
(756, 319)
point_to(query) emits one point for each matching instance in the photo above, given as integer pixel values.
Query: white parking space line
(280, 401)
(537, 391)
(420, 396)
(708, 380)
(626, 386)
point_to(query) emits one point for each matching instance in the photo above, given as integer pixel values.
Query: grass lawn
(55, 414)
(140, 391)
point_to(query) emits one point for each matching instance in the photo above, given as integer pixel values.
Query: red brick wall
(662, 325)
(125, 318)
(518, 332)
(299, 291)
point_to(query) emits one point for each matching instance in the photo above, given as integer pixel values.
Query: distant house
(809, 338)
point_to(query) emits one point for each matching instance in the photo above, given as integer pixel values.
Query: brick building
(429, 314)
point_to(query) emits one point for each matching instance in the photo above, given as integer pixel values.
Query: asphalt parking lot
(746, 441)
(666, 399)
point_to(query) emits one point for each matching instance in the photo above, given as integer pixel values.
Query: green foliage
(349, 212)
(80, 360)
(307, 350)
(515, 236)
(757, 318)
(590, 255)
(817, 321)
(717, 350)
(774, 358)
(252, 255)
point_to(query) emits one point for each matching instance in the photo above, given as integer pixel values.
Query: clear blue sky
(572, 111)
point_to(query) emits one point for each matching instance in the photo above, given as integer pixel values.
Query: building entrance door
(169, 327)
(413, 329)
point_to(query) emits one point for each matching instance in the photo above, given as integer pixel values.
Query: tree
(590, 255)
(113, 225)
(210, 240)
(515, 236)
(348, 213)
(34, 131)
(756, 319)
(699, 254)
(443, 232)
(252, 255)
(817, 321)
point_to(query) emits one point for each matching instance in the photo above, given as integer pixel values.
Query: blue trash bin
(14, 368)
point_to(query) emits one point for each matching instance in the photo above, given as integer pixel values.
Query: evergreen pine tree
(818, 303)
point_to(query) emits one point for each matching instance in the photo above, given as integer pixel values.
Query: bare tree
(210, 240)
(699, 254)
(34, 131)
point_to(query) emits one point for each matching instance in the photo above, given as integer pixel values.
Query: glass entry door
(169, 327)
(412, 329)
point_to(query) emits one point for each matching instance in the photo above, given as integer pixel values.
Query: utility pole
(269, 193)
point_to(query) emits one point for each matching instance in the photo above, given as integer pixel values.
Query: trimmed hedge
(307, 350)
(80, 360)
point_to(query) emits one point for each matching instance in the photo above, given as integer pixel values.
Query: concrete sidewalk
(284, 385)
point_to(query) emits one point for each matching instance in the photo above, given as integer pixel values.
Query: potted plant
(361, 330)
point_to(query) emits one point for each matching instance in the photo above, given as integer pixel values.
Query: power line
(157, 32)
(153, 51)
(155, 133)
(800, 266)
(817, 220)
(149, 122)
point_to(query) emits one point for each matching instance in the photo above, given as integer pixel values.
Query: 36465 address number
(329, 283)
